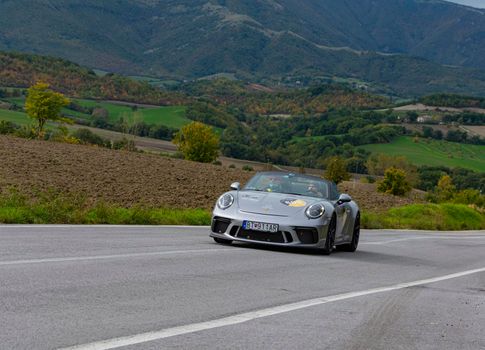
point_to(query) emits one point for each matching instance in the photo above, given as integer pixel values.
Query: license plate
(260, 226)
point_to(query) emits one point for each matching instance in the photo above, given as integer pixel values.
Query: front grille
(307, 235)
(276, 237)
(220, 225)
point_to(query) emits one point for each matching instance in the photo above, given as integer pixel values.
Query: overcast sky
(474, 3)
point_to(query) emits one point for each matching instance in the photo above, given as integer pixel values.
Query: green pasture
(171, 116)
(19, 118)
(434, 152)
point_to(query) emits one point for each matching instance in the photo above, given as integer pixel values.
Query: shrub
(370, 179)
(125, 144)
(232, 166)
(469, 196)
(337, 170)
(445, 189)
(217, 162)
(61, 135)
(86, 136)
(7, 127)
(247, 168)
(394, 182)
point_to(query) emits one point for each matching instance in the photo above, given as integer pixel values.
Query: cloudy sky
(474, 3)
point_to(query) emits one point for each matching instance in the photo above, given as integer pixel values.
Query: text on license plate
(260, 226)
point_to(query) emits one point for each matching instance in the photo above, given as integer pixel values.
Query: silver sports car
(287, 209)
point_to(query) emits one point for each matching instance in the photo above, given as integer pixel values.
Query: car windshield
(289, 184)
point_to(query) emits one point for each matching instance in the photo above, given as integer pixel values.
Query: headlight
(225, 201)
(315, 211)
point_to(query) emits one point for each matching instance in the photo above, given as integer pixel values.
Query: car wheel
(330, 240)
(222, 241)
(352, 246)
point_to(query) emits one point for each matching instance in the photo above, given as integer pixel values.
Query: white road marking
(419, 238)
(249, 316)
(116, 256)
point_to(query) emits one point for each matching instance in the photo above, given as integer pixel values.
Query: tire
(330, 240)
(352, 246)
(222, 241)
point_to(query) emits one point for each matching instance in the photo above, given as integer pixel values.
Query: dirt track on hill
(128, 178)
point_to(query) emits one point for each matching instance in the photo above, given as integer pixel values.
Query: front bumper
(307, 233)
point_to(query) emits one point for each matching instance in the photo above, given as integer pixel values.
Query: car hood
(270, 203)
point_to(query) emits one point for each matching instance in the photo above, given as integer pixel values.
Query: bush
(7, 127)
(125, 144)
(217, 162)
(232, 166)
(247, 168)
(370, 179)
(337, 170)
(469, 196)
(394, 182)
(86, 136)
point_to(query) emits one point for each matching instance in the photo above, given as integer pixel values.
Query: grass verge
(53, 208)
(442, 217)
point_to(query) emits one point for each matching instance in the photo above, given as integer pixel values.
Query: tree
(197, 142)
(43, 104)
(394, 182)
(337, 170)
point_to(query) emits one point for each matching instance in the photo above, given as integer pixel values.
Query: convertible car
(286, 209)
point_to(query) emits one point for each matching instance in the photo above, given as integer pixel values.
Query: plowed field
(128, 178)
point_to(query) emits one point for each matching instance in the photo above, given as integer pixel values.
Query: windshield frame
(291, 184)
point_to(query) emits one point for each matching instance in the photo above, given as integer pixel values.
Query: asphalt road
(174, 288)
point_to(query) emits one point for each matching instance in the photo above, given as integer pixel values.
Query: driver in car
(312, 190)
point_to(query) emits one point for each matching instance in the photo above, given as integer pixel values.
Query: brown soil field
(475, 129)
(129, 178)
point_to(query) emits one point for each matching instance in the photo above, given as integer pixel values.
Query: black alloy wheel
(352, 246)
(330, 240)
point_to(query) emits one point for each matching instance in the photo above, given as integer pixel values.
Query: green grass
(19, 118)
(53, 208)
(17, 100)
(443, 217)
(171, 116)
(433, 152)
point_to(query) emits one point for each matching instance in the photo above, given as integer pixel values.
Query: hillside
(377, 42)
(128, 178)
(434, 153)
(23, 70)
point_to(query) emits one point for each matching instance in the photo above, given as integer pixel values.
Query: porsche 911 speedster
(286, 209)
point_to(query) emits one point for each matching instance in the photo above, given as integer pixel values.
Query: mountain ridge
(261, 39)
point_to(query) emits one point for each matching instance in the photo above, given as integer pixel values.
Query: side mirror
(235, 186)
(344, 198)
